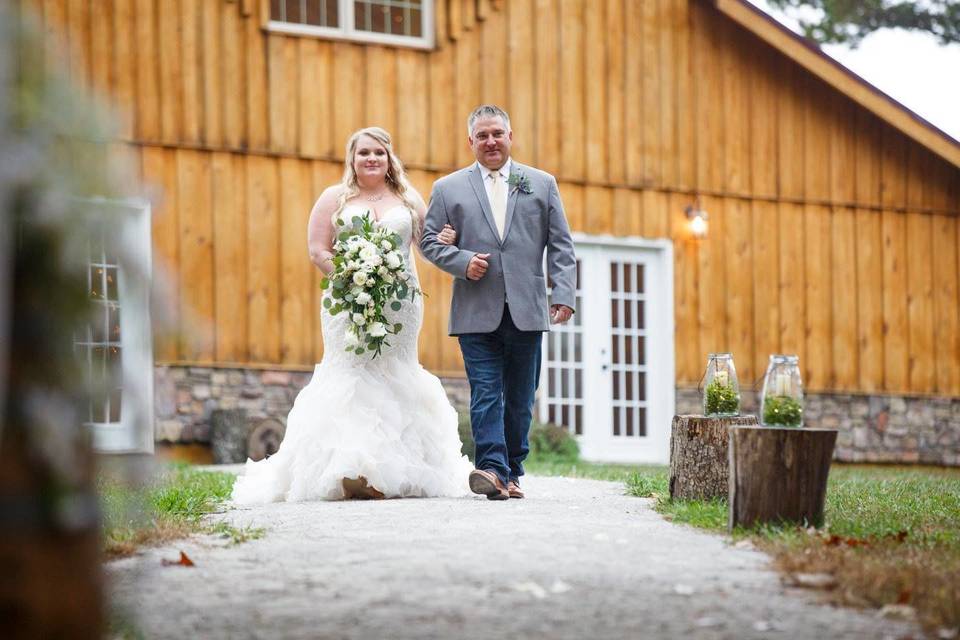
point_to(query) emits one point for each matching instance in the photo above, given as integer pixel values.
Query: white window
(406, 23)
(115, 347)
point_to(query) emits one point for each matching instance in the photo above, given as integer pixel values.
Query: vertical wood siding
(831, 235)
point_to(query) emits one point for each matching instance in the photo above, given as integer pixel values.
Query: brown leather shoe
(358, 489)
(487, 483)
(513, 489)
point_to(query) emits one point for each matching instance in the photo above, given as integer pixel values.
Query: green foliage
(864, 501)
(549, 442)
(721, 399)
(466, 436)
(849, 21)
(652, 482)
(236, 535)
(782, 411)
(171, 505)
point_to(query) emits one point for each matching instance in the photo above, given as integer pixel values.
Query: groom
(505, 215)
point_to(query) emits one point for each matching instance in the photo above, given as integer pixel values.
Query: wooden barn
(832, 209)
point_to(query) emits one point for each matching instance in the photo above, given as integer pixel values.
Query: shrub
(549, 442)
(466, 436)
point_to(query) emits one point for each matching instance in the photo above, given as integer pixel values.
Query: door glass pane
(628, 346)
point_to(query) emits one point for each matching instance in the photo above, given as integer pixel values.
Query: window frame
(134, 432)
(350, 34)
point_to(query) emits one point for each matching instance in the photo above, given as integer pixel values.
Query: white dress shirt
(488, 182)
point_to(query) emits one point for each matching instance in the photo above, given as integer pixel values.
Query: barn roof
(812, 58)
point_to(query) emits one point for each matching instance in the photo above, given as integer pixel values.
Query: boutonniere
(519, 182)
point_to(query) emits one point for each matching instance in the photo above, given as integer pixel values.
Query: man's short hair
(486, 111)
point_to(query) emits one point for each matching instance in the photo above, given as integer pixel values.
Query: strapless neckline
(386, 213)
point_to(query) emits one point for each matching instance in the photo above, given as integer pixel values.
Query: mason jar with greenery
(721, 395)
(782, 397)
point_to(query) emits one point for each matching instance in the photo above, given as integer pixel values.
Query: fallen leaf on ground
(184, 561)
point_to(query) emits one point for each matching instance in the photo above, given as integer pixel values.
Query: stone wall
(185, 397)
(872, 428)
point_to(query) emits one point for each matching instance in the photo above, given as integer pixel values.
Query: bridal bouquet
(368, 274)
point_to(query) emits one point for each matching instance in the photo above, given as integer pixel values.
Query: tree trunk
(698, 456)
(228, 435)
(779, 474)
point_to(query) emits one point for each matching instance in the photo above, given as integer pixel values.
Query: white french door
(608, 375)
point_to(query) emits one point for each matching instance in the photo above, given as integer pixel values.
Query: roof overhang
(809, 56)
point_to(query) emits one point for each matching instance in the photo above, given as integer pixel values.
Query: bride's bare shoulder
(327, 202)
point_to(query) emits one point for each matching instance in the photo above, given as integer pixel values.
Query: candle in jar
(782, 386)
(721, 377)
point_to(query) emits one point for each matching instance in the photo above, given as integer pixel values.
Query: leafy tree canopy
(849, 21)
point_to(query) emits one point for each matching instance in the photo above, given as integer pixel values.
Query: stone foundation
(185, 397)
(872, 428)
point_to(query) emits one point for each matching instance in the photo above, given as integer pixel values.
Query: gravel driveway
(575, 559)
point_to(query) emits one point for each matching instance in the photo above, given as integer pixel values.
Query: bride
(364, 427)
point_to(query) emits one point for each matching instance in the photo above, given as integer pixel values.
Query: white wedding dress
(386, 419)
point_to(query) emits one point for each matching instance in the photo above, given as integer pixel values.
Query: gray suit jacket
(534, 222)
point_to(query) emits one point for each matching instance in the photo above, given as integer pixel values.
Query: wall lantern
(698, 220)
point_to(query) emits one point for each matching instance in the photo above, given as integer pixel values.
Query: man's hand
(478, 266)
(560, 313)
(447, 235)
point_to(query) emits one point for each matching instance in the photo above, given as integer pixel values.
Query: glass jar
(721, 391)
(782, 399)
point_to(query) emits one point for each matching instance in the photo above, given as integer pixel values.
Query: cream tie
(498, 202)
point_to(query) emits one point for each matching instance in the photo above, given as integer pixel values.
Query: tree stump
(698, 456)
(779, 474)
(229, 432)
(265, 439)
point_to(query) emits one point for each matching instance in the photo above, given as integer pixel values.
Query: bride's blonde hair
(396, 177)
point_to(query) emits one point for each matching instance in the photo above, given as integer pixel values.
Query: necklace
(375, 198)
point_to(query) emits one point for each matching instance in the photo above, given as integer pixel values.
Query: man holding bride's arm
(503, 216)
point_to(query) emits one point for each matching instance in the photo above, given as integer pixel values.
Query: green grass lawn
(170, 505)
(891, 536)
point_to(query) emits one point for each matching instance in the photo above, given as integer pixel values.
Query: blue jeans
(503, 368)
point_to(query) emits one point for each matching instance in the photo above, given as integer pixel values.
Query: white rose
(377, 330)
(353, 265)
(382, 271)
(360, 278)
(351, 340)
(359, 319)
(388, 278)
(394, 260)
(363, 298)
(386, 246)
(373, 261)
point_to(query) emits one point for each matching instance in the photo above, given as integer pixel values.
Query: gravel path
(576, 559)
